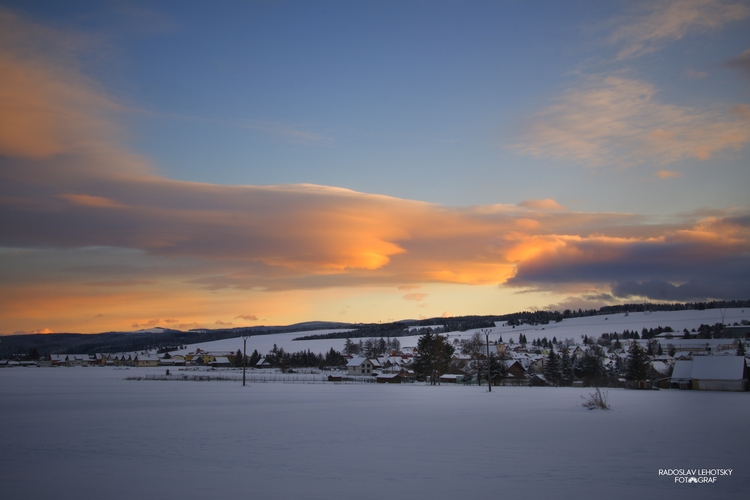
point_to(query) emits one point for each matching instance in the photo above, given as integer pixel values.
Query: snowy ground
(88, 433)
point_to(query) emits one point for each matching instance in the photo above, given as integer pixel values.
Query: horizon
(268, 163)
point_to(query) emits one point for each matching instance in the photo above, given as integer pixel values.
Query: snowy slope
(574, 328)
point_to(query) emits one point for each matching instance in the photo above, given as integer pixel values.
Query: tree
(552, 368)
(432, 358)
(590, 368)
(636, 364)
(740, 347)
(351, 348)
(566, 369)
(498, 368)
(254, 358)
(238, 358)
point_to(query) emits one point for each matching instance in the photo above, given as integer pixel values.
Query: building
(362, 366)
(711, 373)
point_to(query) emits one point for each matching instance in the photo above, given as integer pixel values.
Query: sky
(202, 165)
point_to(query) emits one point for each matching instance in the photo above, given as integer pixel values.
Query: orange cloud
(546, 204)
(121, 283)
(654, 24)
(86, 200)
(47, 107)
(409, 287)
(248, 317)
(415, 296)
(668, 174)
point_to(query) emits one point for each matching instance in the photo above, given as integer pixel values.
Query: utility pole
(244, 357)
(489, 374)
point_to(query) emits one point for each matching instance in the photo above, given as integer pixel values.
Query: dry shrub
(595, 401)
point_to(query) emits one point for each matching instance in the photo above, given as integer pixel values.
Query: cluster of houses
(137, 360)
(695, 364)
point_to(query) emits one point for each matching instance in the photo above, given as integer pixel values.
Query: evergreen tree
(432, 358)
(636, 364)
(238, 358)
(498, 369)
(552, 369)
(740, 347)
(566, 369)
(590, 368)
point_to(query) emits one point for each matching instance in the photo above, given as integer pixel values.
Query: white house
(362, 366)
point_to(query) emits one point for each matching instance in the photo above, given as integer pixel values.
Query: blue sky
(633, 114)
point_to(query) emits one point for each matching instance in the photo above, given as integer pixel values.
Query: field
(89, 433)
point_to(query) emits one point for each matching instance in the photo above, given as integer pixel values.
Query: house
(362, 366)
(388, 378)
(515, 368)
(711, 373)
(263, 363)
(221, 362)
(145, 360)
(451, 379)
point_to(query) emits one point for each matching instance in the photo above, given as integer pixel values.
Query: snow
(718, 367)
(574, 328)
(89, 433)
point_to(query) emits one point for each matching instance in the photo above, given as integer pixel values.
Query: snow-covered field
(87, 433)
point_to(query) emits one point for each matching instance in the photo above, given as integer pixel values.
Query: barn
(712, 373)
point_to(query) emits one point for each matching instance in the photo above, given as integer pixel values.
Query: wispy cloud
(415, 296)
(668, 174)
(742, 62)
(121, 283)
(651, 25)
(613, 120)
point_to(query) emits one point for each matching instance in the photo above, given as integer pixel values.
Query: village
(656, 358)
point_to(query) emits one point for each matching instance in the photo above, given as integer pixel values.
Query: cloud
(47, 106)
(742, 62)
(617, 121)
(86, 200)
(415, 296)
(654, 24)
(704, 253)
(121, 283)
(694, 290)
(546, 204)
(148, 324)
(668, 174)
(247, 317)
(409, 287)
(223, 323)
(190, 326)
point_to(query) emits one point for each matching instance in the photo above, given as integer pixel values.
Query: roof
(683, 369)
(358, 361)
(710, 368)
(719, 367)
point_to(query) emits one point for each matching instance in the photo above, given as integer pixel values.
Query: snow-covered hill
(575, 328)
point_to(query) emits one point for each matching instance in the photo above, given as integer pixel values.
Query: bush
(595, 401)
